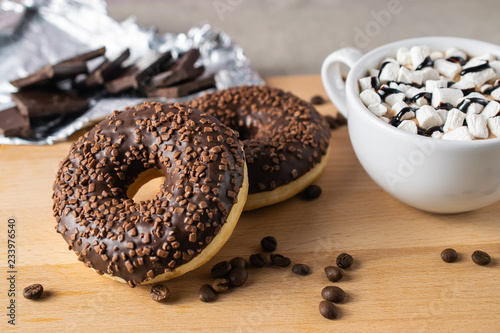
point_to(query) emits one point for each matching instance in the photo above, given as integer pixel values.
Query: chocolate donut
(285, 139)
(183, 225)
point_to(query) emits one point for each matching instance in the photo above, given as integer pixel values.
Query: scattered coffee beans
(33, 291)
(221, 269)
(279, 260)
(312, 192)
(332, 122)
(317, 100)
(221, 285)
(238, 262)
(328, 310)
(449, 255)
(269, 243)
(159, 292)
(344, 260)
(300, 269)
(238, 276)
(333, 273)
(341, 120)
(481, 258)
(207, 293)
(333, 294)
(258, 260)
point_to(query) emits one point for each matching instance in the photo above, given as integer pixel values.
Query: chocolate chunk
(182, 70)
(86, 56)
(12, 123)
(46, 74)
(35, 103)
(183, 89)
(135, 75)
(108, 70)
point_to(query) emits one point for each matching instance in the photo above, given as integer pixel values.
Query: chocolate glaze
(283, 136)
(426, 63)
(386, 91)
(475, 69)
(203, 163)
(424, 94)
(464, 105)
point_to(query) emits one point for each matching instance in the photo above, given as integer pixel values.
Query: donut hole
(146, 186)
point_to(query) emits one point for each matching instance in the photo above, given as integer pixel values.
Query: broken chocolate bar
(182, 70)
(87, 55)
(182, 89)
(34, 103)
(12, 123)
(135, 75)
(108, 70)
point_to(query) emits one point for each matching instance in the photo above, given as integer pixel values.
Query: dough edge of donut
(212, 248)
(285, 192)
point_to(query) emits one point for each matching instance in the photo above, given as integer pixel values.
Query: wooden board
(398, 282)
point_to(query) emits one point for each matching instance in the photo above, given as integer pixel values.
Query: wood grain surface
(397, 284)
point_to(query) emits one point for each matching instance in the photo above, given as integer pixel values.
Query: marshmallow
(418, 55)
(436, 135)
(494, 126)
(422, 101)
(496, 66)
(428, 117)
(447, 68)
(429, 73)
(481, 77)
(386, 120)
(404, 87)
(394, 98)
(377, 109)
(373, 72)
(477, 126)
(443, 114)
(416, 77)
(436, 55)
(496, 93)
(446, 95)
(404, 75)
(473, 63)
(454, 120)
(453, 52)
(369, 97)
(403, 56)
(367, 82)
(389, 72)
(486, 56)
(459, 134)
(464, 84)
(412, 91)
(396, 107)
(430, 85)
(408, 126)
(491, 110)
(485, 87)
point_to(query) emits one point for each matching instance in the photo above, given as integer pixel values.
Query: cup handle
(332, 77)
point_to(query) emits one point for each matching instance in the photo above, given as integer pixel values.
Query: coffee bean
(481, 258)
(333, 273)
(258, 260)
(221, 269)
(317, 100)
(269, 243)
(238, 262)
(312, 192)
(33, 291)
(207, 293)
(333, 294)
(238, 276)
(344, 260)
(332, 122)
(159, 292)
(328, 310)
(300, 269)
(221, 285)
(449, 255)
(279, 260)
(341, 120)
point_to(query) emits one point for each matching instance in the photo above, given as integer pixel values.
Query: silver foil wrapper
(36, 33)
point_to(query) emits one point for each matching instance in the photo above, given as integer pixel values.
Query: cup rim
(352, 89)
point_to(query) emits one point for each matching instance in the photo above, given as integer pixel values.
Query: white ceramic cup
(430, 174)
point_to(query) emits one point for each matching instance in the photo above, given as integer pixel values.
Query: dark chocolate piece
(184, 89)
(51, 72)
(182, 70)
(86, 56)
(34, 103)
(108, 70)
(12, 123)
(135, 75)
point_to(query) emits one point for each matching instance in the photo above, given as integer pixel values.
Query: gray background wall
(286, 37)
